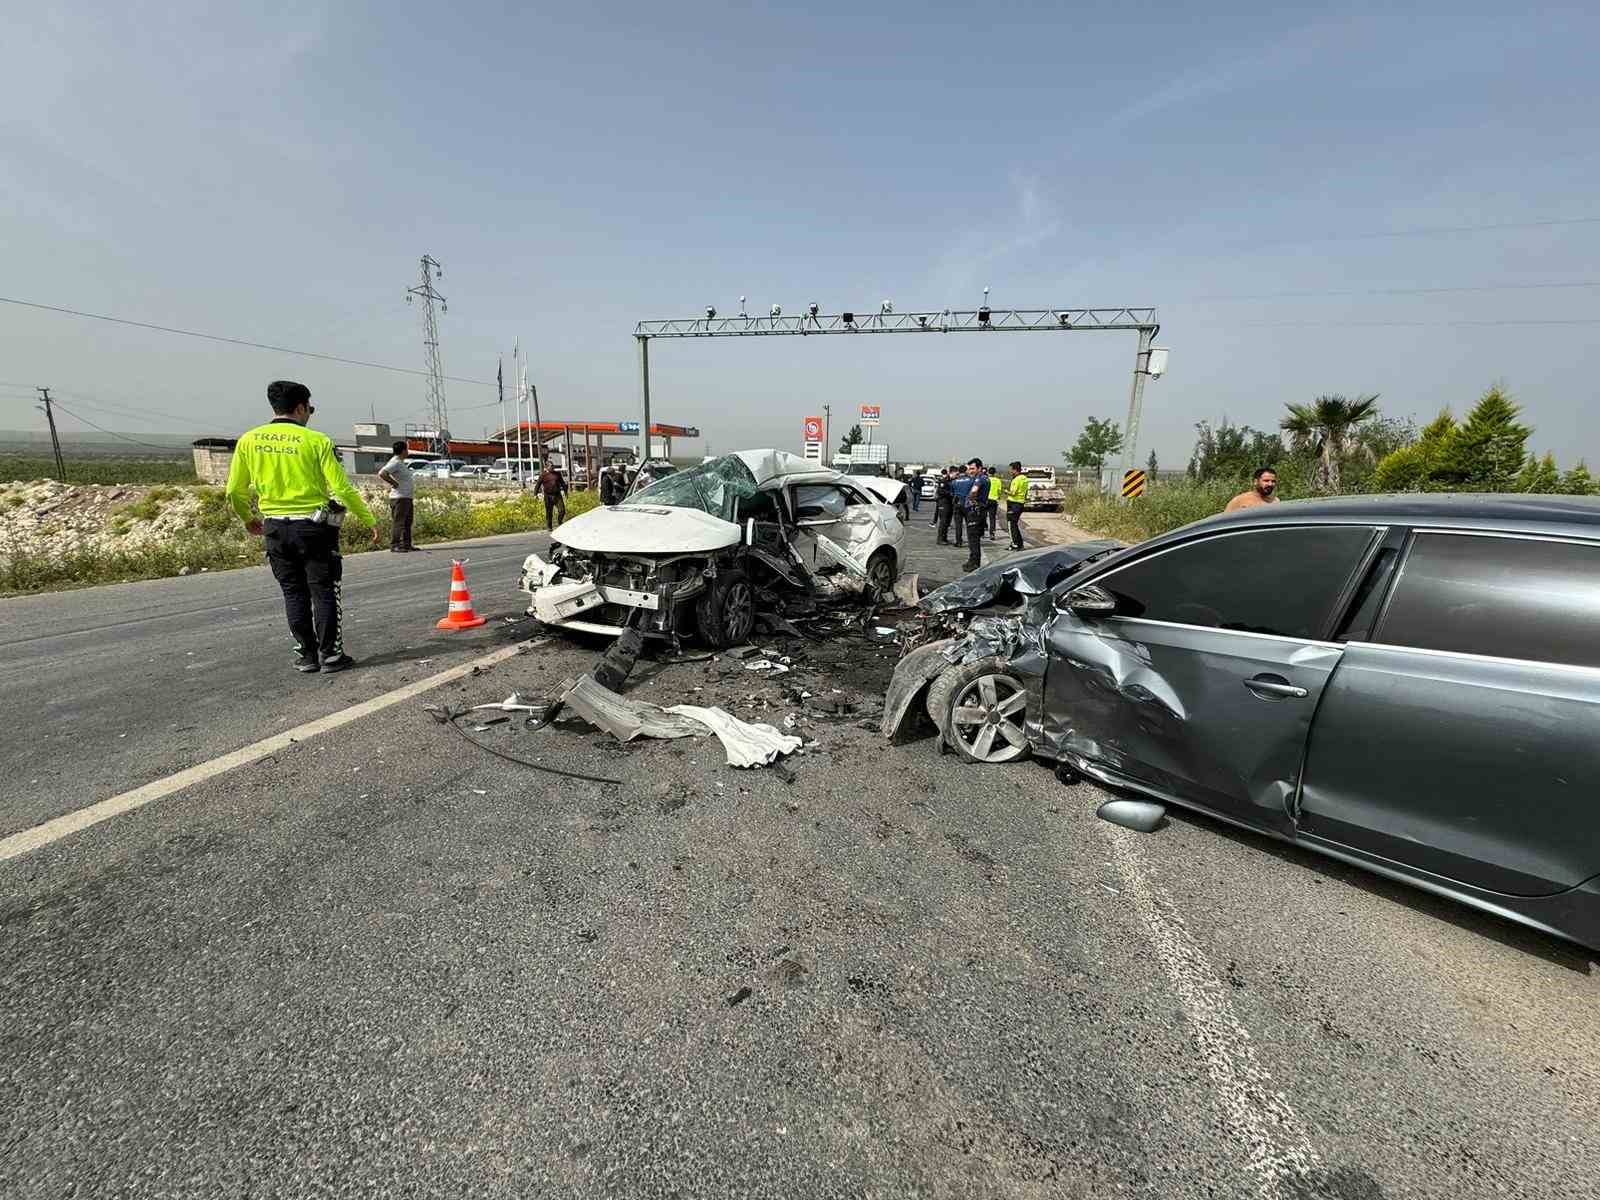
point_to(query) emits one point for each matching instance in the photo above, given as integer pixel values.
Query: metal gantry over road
(1150, 361)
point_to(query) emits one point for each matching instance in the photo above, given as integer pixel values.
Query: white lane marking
(54, 830)
(1278, 1150)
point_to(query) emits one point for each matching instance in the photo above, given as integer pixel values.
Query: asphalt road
(110, 687)
(383, 962)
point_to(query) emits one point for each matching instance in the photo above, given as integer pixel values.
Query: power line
(1418, 231)
(109, 433)
(232, 341)
(1409, 324)
(92, 402)
(1411, 291)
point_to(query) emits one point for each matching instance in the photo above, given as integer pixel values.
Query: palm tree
(1324, 426)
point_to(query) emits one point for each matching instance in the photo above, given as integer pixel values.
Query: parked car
(439, 468)
(513, 469)
(930, 487)
(1044, 494)
(1407, 683)
(695, 550)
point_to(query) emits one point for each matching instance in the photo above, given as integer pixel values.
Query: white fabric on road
(748, 745)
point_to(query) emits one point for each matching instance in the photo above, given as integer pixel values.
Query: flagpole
(516, 400)
(500, 387)
(535, 434)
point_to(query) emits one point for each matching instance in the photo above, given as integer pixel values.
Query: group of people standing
(970, 499)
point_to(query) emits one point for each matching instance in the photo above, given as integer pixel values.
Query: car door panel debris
(746, 744)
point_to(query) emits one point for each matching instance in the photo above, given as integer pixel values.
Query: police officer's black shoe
(337, 663)
(307, 664)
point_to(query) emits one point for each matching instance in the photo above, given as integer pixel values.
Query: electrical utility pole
(437, 413)
(55, 438)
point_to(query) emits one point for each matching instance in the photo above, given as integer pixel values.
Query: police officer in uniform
(943, 505)
(303, 494)
(975, 508)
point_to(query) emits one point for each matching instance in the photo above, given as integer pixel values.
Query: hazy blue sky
(273, 172)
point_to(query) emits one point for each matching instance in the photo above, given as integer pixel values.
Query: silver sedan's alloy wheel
(986, 719)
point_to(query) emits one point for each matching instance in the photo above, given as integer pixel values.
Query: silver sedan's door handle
(1269, 685)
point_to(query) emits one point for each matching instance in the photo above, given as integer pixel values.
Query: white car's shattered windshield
(715, 487)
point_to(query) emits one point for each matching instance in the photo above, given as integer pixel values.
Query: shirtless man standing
(1265, 491)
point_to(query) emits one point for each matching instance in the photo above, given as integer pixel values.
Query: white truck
(1044, 494)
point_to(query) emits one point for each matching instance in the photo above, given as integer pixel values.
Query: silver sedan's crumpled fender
(912, 674)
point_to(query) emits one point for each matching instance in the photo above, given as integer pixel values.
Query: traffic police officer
(1016, 503)
(302, 492)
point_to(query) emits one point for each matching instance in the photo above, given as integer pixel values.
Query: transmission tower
(437, 413)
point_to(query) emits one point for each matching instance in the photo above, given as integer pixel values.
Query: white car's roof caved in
(778, 467)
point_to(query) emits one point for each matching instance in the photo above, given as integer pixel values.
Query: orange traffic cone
(460, 615)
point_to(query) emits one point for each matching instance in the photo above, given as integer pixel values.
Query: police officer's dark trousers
(305, 560)
(977, 517)
(943, 513)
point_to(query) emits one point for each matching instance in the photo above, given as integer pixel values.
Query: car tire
(726, 612)
(881, 571)
(987, 687)
(903, 511)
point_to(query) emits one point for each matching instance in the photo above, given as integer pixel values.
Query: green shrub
(1162, 508)
(215, 515)
(176, 469)
(146, 509)
(42, 571)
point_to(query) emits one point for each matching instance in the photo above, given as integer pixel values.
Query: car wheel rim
(882, 576)
(738, 612)
(987, 717)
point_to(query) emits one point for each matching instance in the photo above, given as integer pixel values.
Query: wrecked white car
(702, 550)
(891, 491)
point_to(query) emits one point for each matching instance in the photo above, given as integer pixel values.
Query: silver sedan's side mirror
(1090, 600)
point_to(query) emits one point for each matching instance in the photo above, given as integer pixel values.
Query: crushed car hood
(1027, 574)
(646, 529)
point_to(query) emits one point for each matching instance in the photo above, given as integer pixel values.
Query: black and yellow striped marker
(1133, 484)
